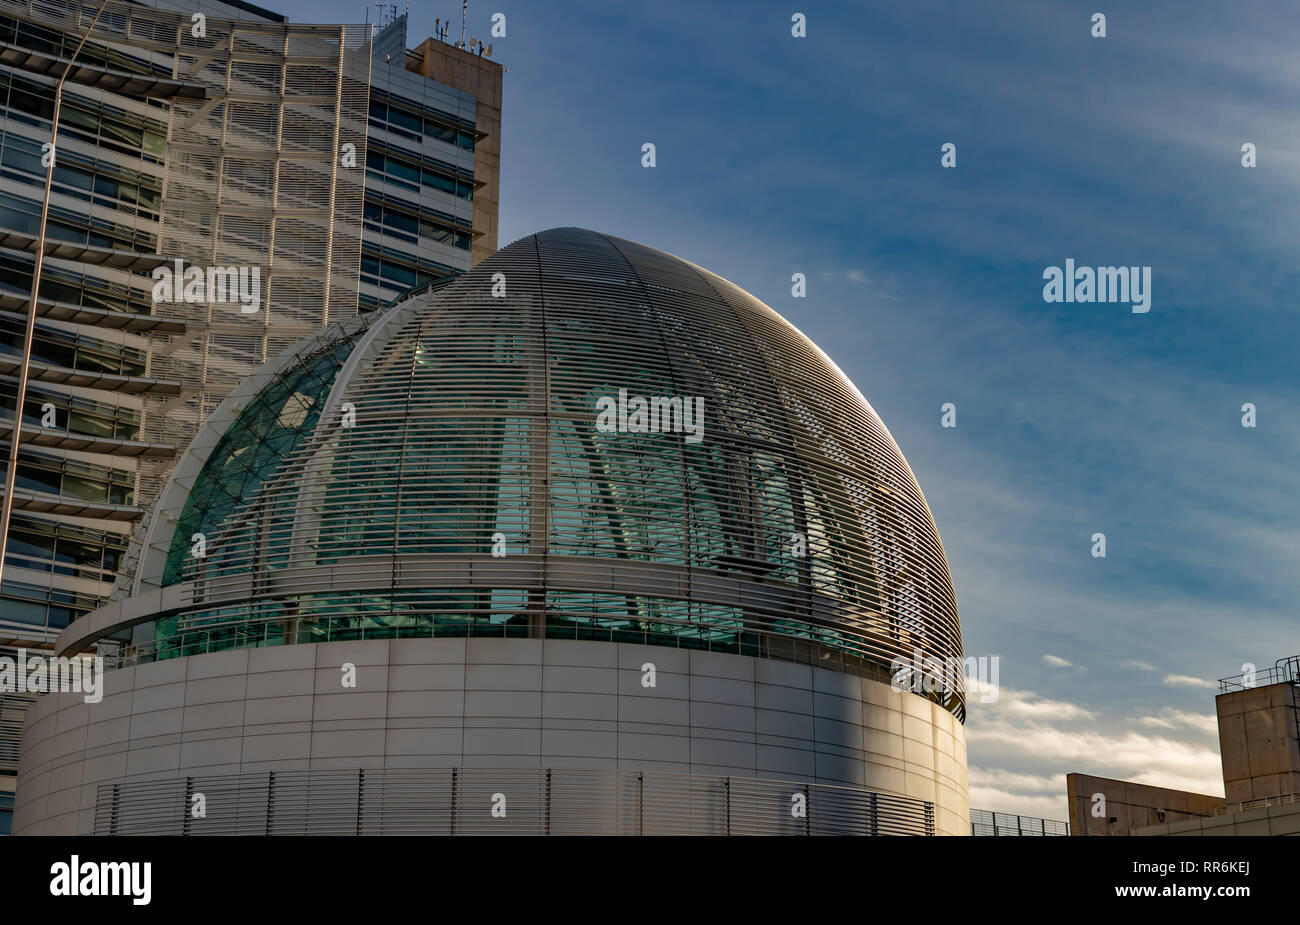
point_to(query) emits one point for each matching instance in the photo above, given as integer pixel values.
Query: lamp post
(11, 471)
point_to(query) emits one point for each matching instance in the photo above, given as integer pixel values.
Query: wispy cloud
(1140, 666)
(1182, 680)
(1041, 795)
(1022, 745)
(1204, 723)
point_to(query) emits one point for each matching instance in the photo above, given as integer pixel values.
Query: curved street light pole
(11, 471)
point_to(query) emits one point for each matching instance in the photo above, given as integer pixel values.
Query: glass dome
(471, 462)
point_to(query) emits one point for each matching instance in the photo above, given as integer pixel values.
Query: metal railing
(1229, 808)
(1284, 671)
(987, 822)
(499, 801)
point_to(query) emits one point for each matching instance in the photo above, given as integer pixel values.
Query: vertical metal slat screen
(534, 801)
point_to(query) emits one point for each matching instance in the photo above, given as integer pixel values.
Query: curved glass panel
(256, 446)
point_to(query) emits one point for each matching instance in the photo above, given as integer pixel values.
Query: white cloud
(1183, 680)
(1126, 755)
(1206, 723)
(997, 778)
(1140, 666)
(1024, 705)
(1022, 746)
(1043, 806)
(1057, 661)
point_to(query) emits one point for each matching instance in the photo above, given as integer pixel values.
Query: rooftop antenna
(464, 15)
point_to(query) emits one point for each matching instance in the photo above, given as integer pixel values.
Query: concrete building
(221, 150)
(213, 146)
(433, 160)
(1106, 806)
(1259, 743)
(137, 185)
(586, 540)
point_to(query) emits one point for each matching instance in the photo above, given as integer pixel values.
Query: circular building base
(445, 736)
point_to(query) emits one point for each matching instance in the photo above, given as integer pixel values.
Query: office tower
(244, 147)
(432, 164)
(205, 144)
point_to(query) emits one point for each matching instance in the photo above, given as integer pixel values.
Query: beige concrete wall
(1130, 805)
(483, 78)
(1257, 739)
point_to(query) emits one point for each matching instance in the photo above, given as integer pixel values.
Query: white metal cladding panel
(425, 706)
(472, 410)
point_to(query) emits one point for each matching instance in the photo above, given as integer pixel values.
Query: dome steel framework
(436, 470)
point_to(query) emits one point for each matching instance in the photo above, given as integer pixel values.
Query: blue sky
(821, 155)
